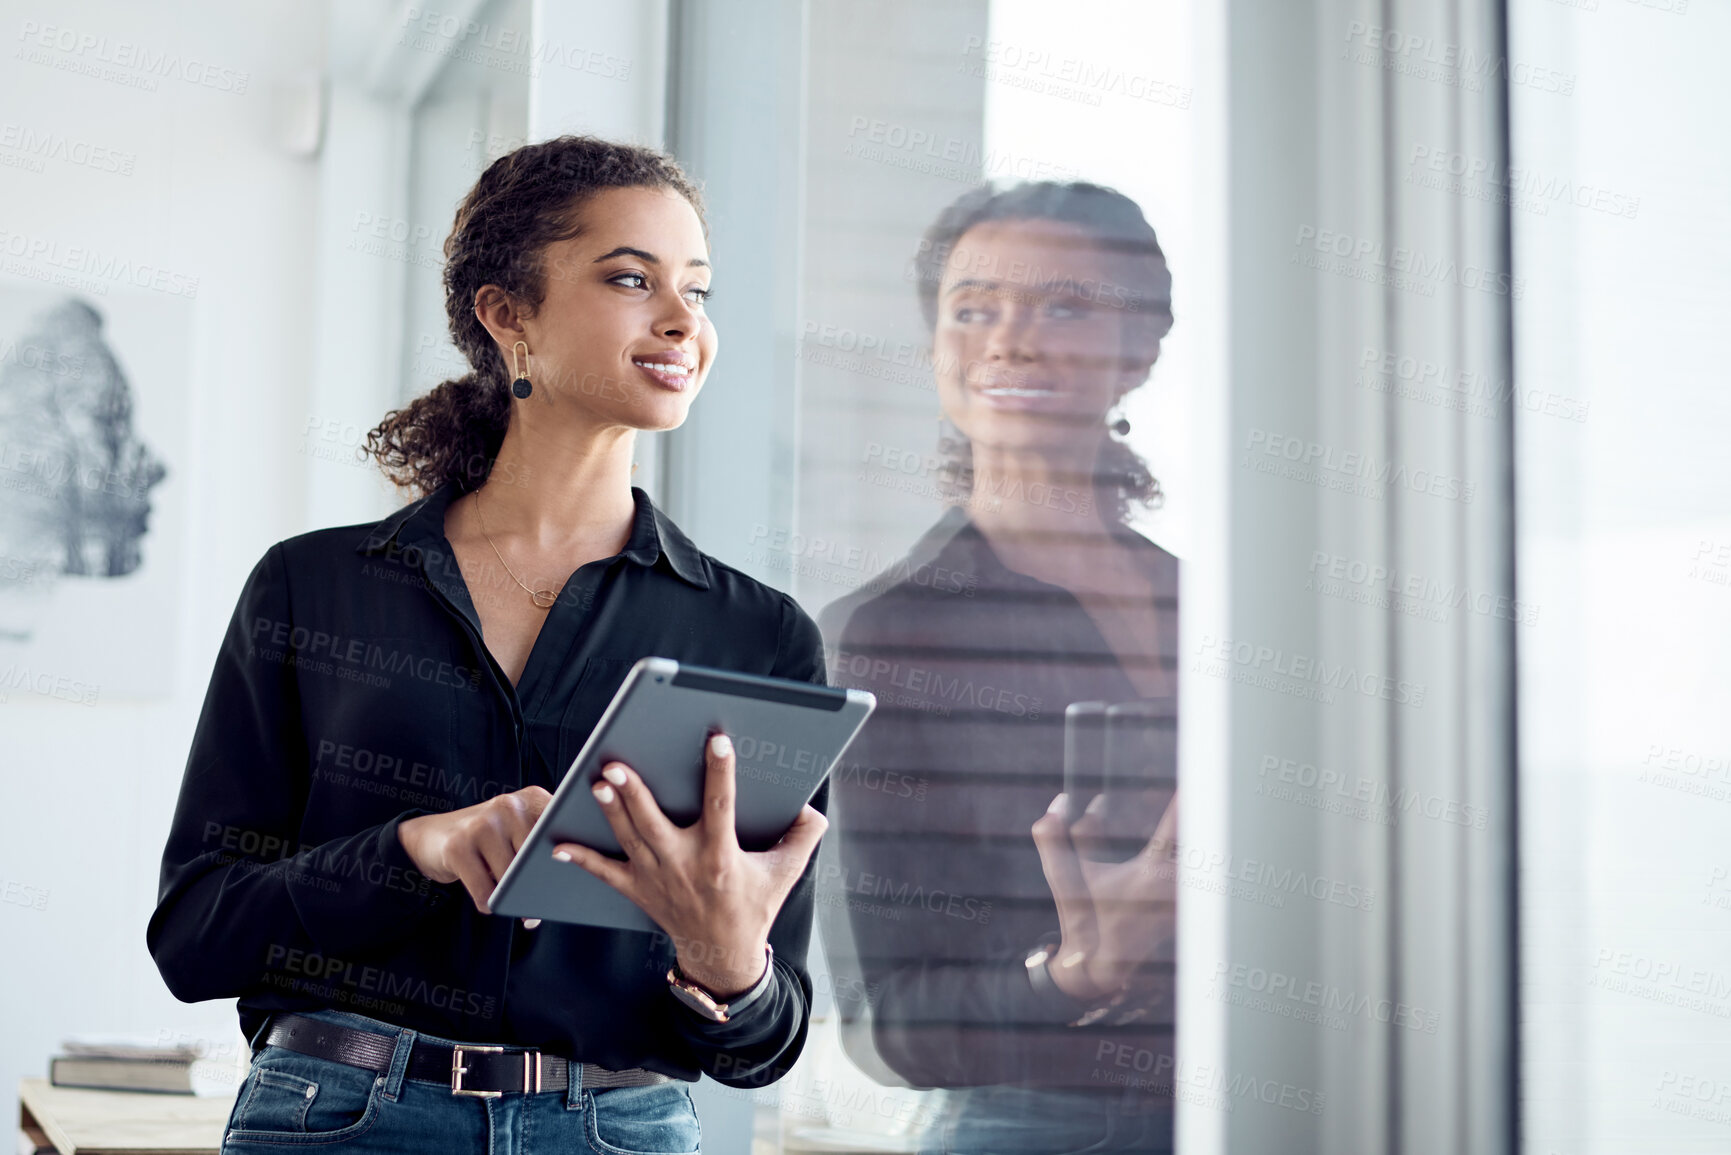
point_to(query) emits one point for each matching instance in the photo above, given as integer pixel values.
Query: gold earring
(521, 387)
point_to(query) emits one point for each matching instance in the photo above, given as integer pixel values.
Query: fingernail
(614, 774)
(562, 855)
(721, 745)
(603, 793)
(531, 923)
(1058, 804)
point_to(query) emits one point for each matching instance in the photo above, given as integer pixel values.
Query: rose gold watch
(705, 1003)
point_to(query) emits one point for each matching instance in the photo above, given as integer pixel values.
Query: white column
(600, 68)
(1340, 261)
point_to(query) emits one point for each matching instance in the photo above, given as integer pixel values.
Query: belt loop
(399, 1062)
(252, 1044)
(573, 1084)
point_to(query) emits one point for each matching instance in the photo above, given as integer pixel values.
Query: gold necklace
(542, 598)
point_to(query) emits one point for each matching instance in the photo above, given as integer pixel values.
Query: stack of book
(116, 1064)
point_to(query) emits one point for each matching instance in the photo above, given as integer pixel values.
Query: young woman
(1005, 952)
(394, 702)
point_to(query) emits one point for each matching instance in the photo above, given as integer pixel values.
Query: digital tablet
(786, 736)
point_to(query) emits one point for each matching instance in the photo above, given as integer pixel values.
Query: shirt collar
(653, 533)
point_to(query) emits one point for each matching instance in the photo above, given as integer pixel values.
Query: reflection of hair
(527, 200)
(1118, 223)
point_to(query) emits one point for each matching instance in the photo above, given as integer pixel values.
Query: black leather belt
(470, 1070)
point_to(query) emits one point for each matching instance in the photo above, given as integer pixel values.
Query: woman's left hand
(715, 900)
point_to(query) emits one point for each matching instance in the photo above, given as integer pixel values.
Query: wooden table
(79, 1121)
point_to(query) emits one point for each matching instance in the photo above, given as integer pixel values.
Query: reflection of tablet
(786, 735)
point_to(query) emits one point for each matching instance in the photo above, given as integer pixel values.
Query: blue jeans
(295, 1102)
(998, 1120)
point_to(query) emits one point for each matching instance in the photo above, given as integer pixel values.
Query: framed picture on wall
(92, 473)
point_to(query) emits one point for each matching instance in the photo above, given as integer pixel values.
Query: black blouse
(932, 879)
(353, 691)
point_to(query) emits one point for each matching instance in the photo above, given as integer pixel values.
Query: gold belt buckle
(531, 1071)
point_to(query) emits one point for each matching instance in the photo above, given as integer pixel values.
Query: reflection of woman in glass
(996, 955)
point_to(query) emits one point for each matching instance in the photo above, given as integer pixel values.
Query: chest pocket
(562, 734)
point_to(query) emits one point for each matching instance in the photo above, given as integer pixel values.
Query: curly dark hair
(1120, 227)
(525, 201)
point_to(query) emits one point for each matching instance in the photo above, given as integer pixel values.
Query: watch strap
(757, 989)
(677, 979)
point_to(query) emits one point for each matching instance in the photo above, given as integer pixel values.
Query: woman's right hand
(474, 845)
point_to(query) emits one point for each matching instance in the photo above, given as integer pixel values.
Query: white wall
(88, 792)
